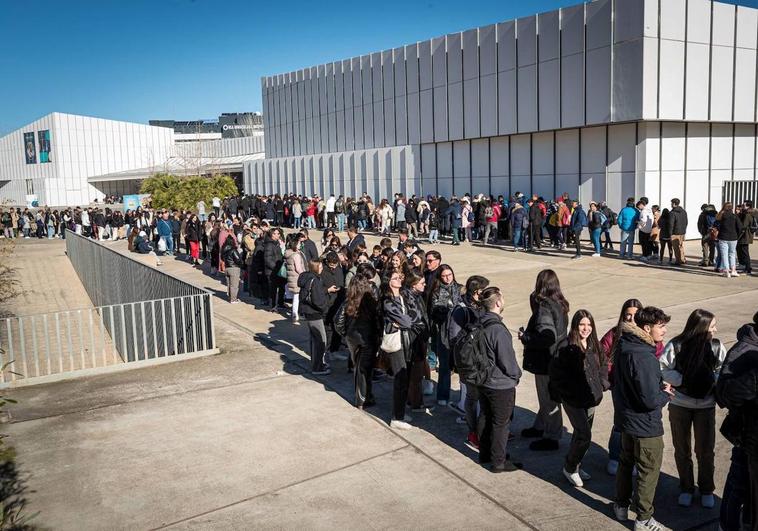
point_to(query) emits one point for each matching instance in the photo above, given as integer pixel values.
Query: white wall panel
(721, 82)
(621, 148)
(470, 44)
(526, 34)
(549, 95)
(480, 165)
(671, 81)
(445, 169)
(429, 168)
(698, 57)
(744, 85)
(593, 146)
(744, 148)
(507, 108)
(673, 20)
(401, 109)
(388, 92)
(368, 99)
(598, 85)
(699, 21)
(627, 81)
(377, 89)
(358, 104)
(672, 163)
(488, 50)
(527, 98)
(650, 78)
(572, 90)
(425, 80)
(521, 160)
(723, 24)
(412, 88)
(542, 164)
(499, 165)
(461, 167)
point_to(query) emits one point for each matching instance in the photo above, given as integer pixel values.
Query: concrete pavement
(249, 439)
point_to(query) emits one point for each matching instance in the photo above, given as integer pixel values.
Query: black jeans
(363, 358)
(743, 256)
(735, 503)
(577, 242)
(496, 408)
(645, 243)
(399, 384)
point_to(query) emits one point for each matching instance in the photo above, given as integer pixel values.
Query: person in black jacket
(332, 275)
(545, 333)
(639, 394)
(354, 239)
(363, 330)
(193, 230)
(730, 228)
(309, 248)
(273, 258)
(313, 303)
(747, 216)
(678, 230)
(736, 390)
(497, 396)
(232, 258)
(578, 377)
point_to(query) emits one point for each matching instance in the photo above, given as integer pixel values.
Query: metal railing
(140, 316)
(737, 192)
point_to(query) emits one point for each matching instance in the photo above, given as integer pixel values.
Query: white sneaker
(584, 475)
(685, 499)
(735, 274)
(573, 478)
(400, 425)
(612, 467)
(707, 501)
(621, 513)
(595, 255)
(651, 524)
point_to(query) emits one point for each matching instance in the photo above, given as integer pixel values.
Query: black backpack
(469, 350)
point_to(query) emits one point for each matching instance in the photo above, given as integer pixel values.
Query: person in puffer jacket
(639, 394)
(737, 390)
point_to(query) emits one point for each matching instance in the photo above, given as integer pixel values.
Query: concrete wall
(660, 160)
(379, 172)
(218, 148)
(82, 147)
(565, 68)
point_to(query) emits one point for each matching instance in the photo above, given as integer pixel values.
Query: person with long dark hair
(545, 333)
(690, 363)
(578, 378)
(398, 320)
(607, 343)
(313, 307)
(444, 295)
(414, 289)
(729, 231)
(363, 330)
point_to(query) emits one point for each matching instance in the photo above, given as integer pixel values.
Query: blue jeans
(516, 236)
(340, 222)
(433, 235)
(50, 232)
(595, 237)
(626, 247)
(297, 222)
(443, 372)
(728, 254)
(169, 244)
(362, 224)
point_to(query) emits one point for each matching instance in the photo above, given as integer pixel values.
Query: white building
(604, 100)
(66, 159)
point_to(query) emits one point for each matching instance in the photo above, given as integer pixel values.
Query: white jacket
(645, 224)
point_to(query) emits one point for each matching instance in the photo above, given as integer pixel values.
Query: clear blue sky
(136, 60)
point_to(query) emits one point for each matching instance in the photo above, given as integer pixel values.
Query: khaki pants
(646, 453)
(677, 241)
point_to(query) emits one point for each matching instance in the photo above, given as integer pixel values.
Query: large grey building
(604, 100)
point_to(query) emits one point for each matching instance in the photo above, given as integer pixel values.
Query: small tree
(169, 191)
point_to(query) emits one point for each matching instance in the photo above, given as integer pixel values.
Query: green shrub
(170, 191)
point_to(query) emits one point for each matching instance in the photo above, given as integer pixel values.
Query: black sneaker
(508, 466)
(531, 433)
(544, 445)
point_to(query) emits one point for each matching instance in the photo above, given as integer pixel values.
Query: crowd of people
(401, 313)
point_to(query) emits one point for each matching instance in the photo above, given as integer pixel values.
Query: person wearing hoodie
(645, 227)
(690, 363)
(639, 395)
(518, 215)
(736, 390)
(578, 378)
(497, 396)
(747, 216)
(454, 217)
(705, 222)
(578, 222)
(313, 306)
(627, 222)
(678, 230)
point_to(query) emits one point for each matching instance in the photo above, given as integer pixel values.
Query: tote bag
(393, 341)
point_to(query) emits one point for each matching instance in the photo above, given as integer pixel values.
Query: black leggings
(664, 244)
